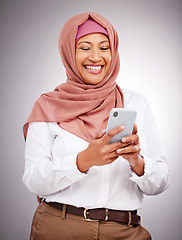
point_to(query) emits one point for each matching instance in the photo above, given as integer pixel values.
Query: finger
(111, 156)
(109, 135)
(100, 134)
(130, 139)
(130, 149)
(111, 159)
(135, 129)
(114, 146)
(127, 156)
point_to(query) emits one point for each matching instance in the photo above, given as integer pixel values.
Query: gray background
(150, 34)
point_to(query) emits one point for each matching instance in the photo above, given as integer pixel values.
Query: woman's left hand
(132, 152)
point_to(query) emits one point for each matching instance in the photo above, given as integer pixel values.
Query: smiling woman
(89, 188)
(93, 57)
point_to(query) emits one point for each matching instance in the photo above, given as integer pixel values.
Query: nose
(95, 55)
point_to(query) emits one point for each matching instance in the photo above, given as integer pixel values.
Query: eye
(105, 48)
(85, 48)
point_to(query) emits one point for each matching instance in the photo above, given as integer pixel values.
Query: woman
(90, 189)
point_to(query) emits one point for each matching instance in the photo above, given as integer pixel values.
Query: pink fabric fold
(77, 107)
(88, 27)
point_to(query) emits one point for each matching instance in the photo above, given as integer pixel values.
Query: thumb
(135, 129)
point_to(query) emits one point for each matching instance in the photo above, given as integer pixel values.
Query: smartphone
(118, 117)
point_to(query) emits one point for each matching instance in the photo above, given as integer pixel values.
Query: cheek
(108, 58)
(78, 62)
(80, 57)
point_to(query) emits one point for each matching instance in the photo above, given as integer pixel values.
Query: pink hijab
(77, 107)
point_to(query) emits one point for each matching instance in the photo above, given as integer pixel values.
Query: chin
(93, 81)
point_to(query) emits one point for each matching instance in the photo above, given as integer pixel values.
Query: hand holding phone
(118, 117)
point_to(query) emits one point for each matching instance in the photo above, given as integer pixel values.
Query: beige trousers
(52, 224)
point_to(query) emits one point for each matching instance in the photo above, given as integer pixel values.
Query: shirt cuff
(69, 167)
(148, 170)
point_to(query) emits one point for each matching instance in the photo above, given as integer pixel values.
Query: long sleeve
(46, 172)
(156, 177)
(51, 171)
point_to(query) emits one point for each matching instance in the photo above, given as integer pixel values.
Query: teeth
(93, 68)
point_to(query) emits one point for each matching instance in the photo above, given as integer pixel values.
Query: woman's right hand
(99, 152)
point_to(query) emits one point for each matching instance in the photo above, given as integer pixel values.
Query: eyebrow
(91, 43)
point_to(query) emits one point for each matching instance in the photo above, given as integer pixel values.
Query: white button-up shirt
(51, 171)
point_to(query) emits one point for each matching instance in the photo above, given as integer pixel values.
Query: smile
(94, 68)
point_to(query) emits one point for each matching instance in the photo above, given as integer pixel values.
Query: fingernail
(123, 140)
(122, 127)
(118, 151)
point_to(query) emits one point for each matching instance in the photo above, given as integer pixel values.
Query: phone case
(118, 117)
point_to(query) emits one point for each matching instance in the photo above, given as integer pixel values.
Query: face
(93, 57)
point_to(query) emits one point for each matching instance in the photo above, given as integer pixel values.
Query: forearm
(47, 177)
(82, 162)
(155, 179)
(156, 170)
(139, 167)
(47, 168)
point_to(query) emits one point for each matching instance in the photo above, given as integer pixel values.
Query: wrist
(139, 168)
(81, 162)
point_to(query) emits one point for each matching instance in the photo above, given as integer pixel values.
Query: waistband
(127, 217)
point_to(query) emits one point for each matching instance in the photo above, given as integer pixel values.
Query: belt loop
(63, 215)
(129, 218)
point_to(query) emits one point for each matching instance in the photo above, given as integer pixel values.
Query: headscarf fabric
(78, 107)
(88, 27)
